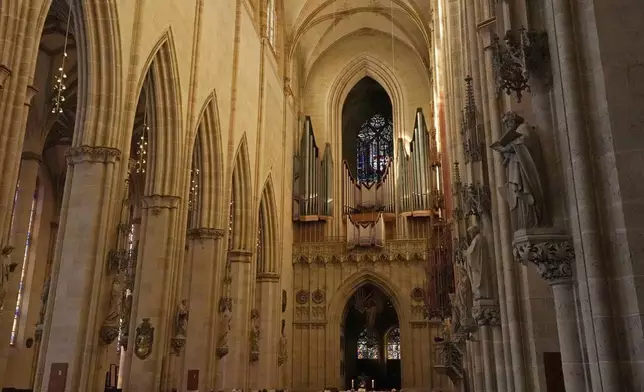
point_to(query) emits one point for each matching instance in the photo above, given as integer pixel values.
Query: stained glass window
(393, 343)
(375, 148)
(368, 345)
(270, 21)
(21, 286)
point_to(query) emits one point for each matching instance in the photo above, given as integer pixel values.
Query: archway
(370, 340)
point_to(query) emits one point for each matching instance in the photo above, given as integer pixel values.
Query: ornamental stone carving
(318, 296)
(8, 268)
(479, 264)
(418, 294)
(302, 297)
(202, 233)
(92, 154)
(486, 312)
(144, 339)
(282, 355)
(225, 317)
(254, 335)
(550, 250)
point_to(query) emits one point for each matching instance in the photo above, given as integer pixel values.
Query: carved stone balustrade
(336, 251)
(448, 359)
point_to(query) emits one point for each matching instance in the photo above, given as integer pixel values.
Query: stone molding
(486, 312)
(5, 73)
(157, 203)
(547, 248)
(270, 277)
(92, 154)
(31, 156)
(240, 256)
(201, 233)
(31, 93)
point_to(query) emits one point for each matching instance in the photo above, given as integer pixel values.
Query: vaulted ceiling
(314, 26)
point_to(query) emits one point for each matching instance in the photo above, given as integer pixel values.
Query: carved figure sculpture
(182, 318)
(116, 296)
(479, 268)
(522, 160)
(224, 328)
(254, 335)
(456, 311)
(463, 295)
(44, 297)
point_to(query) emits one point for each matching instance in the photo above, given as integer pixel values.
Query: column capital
(268, 277)
(547, 248)
(31, 156)
(5, 73)
(156, 203)
(201, 233)
(240, 256)
(486, 312)
(93, 154)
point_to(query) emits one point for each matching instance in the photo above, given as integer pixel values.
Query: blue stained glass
(374, 148)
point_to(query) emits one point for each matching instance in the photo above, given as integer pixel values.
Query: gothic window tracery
(374, 148)
(21, 286)
(392, 341)
(368, 347)
(270, 22)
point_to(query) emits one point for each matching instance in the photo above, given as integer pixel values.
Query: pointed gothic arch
(242, 226)
(160, 82)
(269, 231)
(207, 156)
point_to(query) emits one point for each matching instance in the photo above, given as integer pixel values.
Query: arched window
(392, 340)
(270, 21)
(25, 257)
(375, 147)
(368, 347)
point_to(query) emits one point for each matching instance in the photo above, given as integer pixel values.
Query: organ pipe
(358, 197)
(312, 179)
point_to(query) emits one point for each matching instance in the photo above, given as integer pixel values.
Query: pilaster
(73, 311)
(233, 367)
(487, 316)
(153, 308)
(204, 247)
(552, 253)
(269, 299)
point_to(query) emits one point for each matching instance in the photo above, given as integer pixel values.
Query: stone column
(153, 308)
(204, 288)
(551, 251)
(233, 367)
(29, 167)
(268, 290)
(486, 314)
(72, 317)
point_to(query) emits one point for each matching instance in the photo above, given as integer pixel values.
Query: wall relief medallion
(144, 339)
(418, 294)
(318, 296)
(302, 297)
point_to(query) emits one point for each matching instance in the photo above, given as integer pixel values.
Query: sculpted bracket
(549, 250)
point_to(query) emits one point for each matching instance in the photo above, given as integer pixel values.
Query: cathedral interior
(321, 195)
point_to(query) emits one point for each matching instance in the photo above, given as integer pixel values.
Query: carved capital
(5, 73)
(549, 249)
(268, 277)
(158, 203)
(486, 312)
(240, 256)
(178, 343)
(31, 93)
(92, 154)
(205, 233)
(31, 156)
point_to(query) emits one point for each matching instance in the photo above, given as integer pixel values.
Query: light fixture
(59, 85)
(194, 188)
(142, 148)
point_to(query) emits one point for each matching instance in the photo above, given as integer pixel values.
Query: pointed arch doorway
(370, 340)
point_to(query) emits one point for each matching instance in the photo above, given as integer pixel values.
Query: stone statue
(224, 328)
(182, 318)
(254, 335)
(456, 311)
(44, 297)
(8, 268)
(116, 296)
(479, 268)
(463, 295)
(522, 159)
(283, 347)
